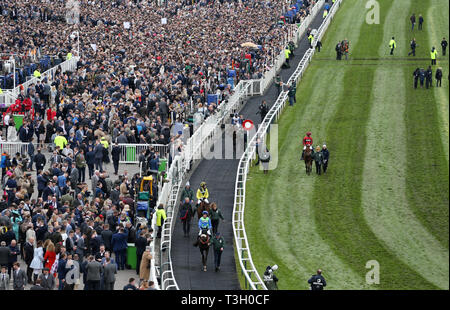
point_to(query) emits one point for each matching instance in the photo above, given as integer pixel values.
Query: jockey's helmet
(205, 212)
(203, 184)
(308, 133)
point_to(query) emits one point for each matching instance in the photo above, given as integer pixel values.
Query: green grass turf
(386, 194)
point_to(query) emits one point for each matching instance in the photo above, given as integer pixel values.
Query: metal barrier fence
(248, 269)
(15, 147)
(129, 153)
(9, 96)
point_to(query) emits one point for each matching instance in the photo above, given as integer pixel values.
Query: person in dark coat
(416, 75)
(28, 251)
(317, 156)
(438, 77)
(444, 44)
(263, 109)
(39, 160)
(317, 281)
(186, 215)
(141, 243)
(429, 77)
(98, 156)
(115, 154)
(119, 245)
(90, 161)
(93, 273)
(325, 157)
(106, 236)
(421, 77)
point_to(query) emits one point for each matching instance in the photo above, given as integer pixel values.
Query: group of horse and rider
(320, 156)
(209, 217)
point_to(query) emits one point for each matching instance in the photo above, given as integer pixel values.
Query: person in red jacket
(307, 141)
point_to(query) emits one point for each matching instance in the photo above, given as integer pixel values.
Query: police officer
(270, 280)
(416, 75)
(429, 77)
(392, 45)
(444, 44)
(317, 281)
(338, 51)
(413, 45)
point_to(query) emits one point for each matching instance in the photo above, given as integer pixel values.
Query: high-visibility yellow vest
(325, 13)
(36, 74)
(69, 56)
(1, 91)
(310, 38)
(287, 52)
(433, 54)
(392, 44)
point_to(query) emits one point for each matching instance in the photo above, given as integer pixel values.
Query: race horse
(308, 160)
(203, 206)
(203, 245)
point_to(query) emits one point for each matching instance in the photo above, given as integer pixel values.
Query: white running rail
(248, 269)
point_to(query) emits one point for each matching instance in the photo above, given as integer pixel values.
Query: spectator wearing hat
(218, 244)
(186, 215)
(325, 157)
(47, 279)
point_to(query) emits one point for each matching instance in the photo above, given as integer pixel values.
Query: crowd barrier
(248, 269)
(129, 153)
(8, 97)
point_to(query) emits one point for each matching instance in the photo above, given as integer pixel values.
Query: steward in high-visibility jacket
(69, 56)
(310, 39)
(325, 13)
(433, 54)
(392, 45)
(37, 74)
(160, 218)
(60, 141)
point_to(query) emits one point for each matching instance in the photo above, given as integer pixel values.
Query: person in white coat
(38, 261)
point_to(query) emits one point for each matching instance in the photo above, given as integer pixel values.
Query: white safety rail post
(248, 269)
(175, 175)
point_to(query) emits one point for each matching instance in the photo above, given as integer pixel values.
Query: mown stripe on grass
(427, 166)
(337, 198)
(394, 26)
(344, 25)
(279, 221)
(438, 27)
(384, 185)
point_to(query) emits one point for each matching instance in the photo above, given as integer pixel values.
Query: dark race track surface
(220, 177)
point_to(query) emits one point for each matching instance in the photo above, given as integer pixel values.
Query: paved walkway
(220, 176)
